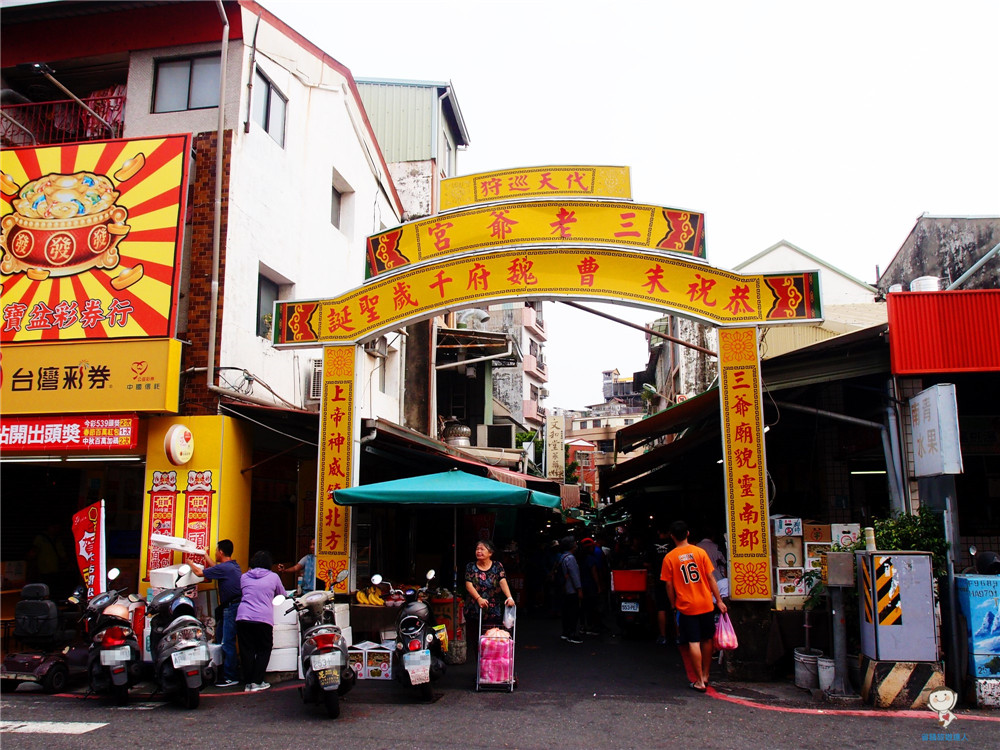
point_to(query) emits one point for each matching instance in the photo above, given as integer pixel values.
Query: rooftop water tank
(926, 284)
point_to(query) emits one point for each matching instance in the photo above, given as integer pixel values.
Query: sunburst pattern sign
(90, 235)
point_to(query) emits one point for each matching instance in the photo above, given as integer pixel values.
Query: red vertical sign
(88, 537)
(162, 503)
(198, 511)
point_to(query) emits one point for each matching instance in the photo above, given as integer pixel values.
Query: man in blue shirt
(226, 571)
(308, 567)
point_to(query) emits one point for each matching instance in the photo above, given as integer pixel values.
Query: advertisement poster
(90, 547)
(198, 512)
(162, 504)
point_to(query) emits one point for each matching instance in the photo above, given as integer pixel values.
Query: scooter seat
(36, 618)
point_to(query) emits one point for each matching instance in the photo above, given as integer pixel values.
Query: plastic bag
(509, 615)
(725, 636)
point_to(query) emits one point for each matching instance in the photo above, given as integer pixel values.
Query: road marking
(50, 727)
(873, 713)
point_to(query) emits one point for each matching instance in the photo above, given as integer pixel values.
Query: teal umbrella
(446, 488)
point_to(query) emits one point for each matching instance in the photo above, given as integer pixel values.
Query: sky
(832, 126)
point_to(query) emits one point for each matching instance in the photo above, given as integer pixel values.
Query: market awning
(445, 488)
(675, 419)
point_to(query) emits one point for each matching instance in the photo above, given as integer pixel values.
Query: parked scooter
(51, 657)
(417, 657)
(113, 660)
(323, 649)
(181, 661)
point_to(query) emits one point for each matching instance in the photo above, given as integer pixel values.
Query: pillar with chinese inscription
(744, 459)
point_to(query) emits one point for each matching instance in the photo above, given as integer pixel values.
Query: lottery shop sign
(107, 376)
(98, 432)
(90, 239)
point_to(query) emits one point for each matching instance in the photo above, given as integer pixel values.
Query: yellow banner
(533, 182)
(746, 485)
(336, 461)
(689, 287)
(538, 223)
(90, 236)
(106, 376)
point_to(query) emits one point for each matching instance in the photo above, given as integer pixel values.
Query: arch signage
(465, 258)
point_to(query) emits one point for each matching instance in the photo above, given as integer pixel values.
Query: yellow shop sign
(107, 376)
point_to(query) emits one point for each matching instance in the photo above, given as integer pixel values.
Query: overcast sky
(830, 125)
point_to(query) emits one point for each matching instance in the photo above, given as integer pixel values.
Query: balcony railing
(534, 323)
(65, 121)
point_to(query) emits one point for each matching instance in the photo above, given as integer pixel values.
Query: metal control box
(897, 607)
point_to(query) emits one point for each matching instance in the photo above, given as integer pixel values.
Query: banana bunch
(371, 596)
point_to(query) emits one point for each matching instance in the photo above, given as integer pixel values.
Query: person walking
(691, 588)
(227, 572)
(572, 590)
(255, 619)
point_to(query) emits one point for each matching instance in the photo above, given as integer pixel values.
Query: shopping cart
(495, 665)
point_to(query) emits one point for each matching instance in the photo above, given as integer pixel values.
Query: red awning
(953, 331)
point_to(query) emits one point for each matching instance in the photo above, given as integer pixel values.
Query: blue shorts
(695, 628)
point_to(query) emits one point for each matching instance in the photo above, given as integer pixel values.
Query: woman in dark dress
(486, 584)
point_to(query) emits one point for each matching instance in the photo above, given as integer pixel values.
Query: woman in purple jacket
(255, 619)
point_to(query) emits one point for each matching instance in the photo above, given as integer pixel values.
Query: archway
(557, 246)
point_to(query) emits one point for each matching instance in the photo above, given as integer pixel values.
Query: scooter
(417, 657)
(323, 649)
(628, 599)
(52, 657)
(113, 660)
(181, 661)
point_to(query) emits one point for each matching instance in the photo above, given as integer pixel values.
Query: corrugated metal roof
(403, 118)
(943, 331)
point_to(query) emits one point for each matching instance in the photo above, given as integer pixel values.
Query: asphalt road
(605, 693)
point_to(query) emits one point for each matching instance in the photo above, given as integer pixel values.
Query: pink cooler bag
(495, 659)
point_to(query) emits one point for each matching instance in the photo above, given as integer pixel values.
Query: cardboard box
(788, 551)
(378, 664)
(786, 601)
(784, 526)
(816, 532)
(370, 661)
(845, 534)
(789, 581)
(813, 551)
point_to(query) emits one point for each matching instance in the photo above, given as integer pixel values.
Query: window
(267, 295)
(188, 83)
(268, 109)
(606, 446)
(335, 207)
(534, 393)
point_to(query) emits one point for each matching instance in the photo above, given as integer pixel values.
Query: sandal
(699, 689)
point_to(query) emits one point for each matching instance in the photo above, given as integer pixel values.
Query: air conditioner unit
(495, 436)
(378, 348)
(316, 380)
(543, 393)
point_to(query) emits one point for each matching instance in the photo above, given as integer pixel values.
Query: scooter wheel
(332, 702)
(56, 679)
(426, 692)
(191, 697)
(119, 694)
(8, 686)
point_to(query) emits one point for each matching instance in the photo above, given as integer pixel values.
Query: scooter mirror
(430, 574)
(972, 550)
(278, 600)
(376, 579)
(113, 574)
(342, 576)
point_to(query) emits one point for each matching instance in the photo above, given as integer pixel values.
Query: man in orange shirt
(691, 587)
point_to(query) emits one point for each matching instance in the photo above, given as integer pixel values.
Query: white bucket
(806, 676)
(826, 668)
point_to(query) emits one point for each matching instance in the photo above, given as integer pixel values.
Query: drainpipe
(895, 492)
(432, 422)
(213, 312)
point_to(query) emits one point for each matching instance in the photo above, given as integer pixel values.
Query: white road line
(50, 727)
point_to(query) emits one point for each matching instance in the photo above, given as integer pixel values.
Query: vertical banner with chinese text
(88, 537)
(336, 464)
(162, 504)
(746, 476)
(198, 512)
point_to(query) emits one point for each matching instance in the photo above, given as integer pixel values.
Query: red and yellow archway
(541, 233)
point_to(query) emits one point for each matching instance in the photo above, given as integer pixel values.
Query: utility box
(896, 608)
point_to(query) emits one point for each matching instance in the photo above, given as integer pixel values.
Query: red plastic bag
(725, 636)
